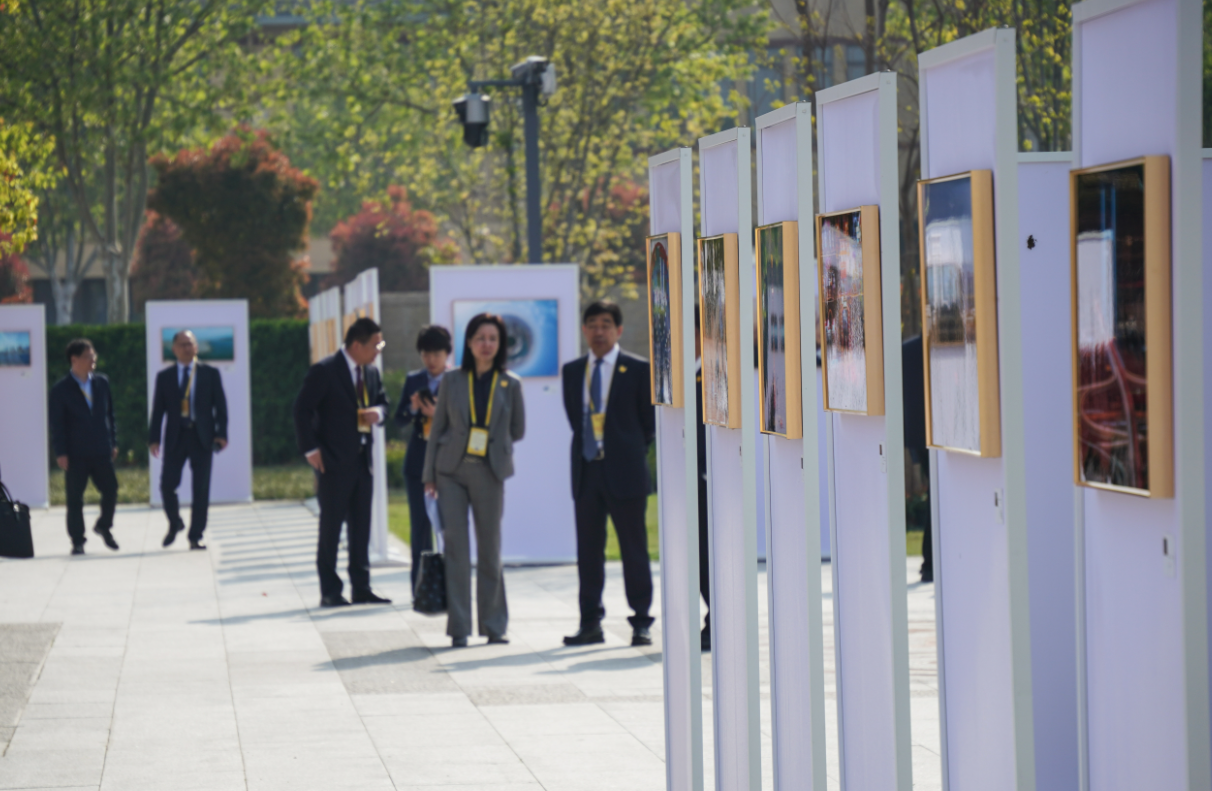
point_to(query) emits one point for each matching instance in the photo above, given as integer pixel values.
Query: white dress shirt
(608, 363)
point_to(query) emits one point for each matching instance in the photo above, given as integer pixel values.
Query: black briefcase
(430, 597)
(16, 540)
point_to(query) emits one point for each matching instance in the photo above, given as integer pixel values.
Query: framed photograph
(532, 327)
(14, 349)
(215, 344)
(720, 329)
(959, 313)
(778, 288)
(665, 318)
(851, 310)
(1123, 420)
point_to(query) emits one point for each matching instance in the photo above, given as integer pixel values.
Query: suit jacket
(76, 430)
(630, 424)
(326, 412)
(452, 426)
(210, 407)
(414, 457)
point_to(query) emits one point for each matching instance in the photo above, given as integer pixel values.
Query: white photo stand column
(1143, 597)
(857, 148)
(726, 207)
(792, 479)
(24, 466)
(324, 323)
(362, 301)
(671, 206)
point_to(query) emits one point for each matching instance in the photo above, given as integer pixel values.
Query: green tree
(23, 173)
(244, 210)
(111, 81)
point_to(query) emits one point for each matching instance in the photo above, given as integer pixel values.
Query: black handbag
(430, 596)
(16, 539)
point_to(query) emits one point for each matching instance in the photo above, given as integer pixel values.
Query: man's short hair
(607, 306)
(434, 338)
(361, 331)
(77, 347)
(180, 334)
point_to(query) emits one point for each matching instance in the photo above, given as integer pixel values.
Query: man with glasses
(341, 401)
(190, 403)
(85, 439)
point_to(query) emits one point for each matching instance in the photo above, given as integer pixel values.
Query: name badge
(599, 425)
(426, 425)
(185, 408)
(477, 441)
(364, 424)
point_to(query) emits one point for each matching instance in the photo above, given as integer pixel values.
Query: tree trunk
(64, 292)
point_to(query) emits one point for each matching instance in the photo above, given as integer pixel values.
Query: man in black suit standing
(190, 395)
(85, 438)
(341, 400)
(609, 404)
(417, 404)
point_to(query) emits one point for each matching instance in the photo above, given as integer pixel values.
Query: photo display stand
(24, 466)
(791, 483)
(361, 298)
(324, 324)
(979, 499)
(1143, 563)
(221, 326)
(671, 207)
(726, 208)
(857, 150)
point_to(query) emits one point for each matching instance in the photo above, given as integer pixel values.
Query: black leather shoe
(107, 536)
(369, 597)
(77, 549)
(458, 642)
(171, 536)
(586, 635)
(705, 639)
(333, 601)
(196, 544)
(640, 636)
(497, 640)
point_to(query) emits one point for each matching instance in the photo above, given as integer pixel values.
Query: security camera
(473, 111)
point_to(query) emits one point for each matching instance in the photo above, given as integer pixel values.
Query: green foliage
(24, 170)
(280, 358)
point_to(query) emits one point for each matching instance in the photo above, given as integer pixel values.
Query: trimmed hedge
(280, 357)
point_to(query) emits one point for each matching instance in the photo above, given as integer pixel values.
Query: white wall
(231, 474)
(24, 431)
(539, 524)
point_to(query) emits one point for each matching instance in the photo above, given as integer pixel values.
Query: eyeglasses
(379, 346)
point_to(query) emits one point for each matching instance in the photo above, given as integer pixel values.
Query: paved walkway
(169, 669)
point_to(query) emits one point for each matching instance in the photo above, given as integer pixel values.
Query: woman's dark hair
(78, 347)
(434, 338)
(473, 326)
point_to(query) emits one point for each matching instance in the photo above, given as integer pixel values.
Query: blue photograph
(14, 348)
(532, 326)
(215, 344)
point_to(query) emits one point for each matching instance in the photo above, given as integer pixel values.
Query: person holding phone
(480, 414)
(191, 407)
(418, 402)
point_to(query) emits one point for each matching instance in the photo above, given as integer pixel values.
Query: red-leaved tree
(244, 210)
(389, 234)
(14, 280)
(164, 265)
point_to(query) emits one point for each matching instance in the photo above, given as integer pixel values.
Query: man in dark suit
(416, 408)
(609, 403)
(701, 446)
(341, 400)
(190, 395)
(85, 438)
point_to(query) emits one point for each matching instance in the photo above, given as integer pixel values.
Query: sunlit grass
(279, 482)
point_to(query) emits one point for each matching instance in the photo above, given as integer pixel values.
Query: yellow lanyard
(471, 393)
(365, 397)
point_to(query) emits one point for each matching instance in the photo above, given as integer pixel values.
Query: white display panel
(539, 524)
(24, 465)
(790, 487)
(726, 195)
(671, 199)
(361, 299)
(969, 121)
(857, 148)
(231, 472)
(1145, 644)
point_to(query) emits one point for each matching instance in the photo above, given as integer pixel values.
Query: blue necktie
(589, 443)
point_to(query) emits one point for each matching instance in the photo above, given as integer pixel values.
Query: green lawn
(913, 543)
(281, 482)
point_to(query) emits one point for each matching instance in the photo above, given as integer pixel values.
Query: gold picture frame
(1128, 198)
(955, 213)
(720, 326)
(778, 325)
(665, 387)
(866, 232)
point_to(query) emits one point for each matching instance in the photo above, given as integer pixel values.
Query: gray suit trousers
(473, 485)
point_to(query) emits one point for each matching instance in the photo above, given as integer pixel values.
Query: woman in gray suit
(479, 415)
